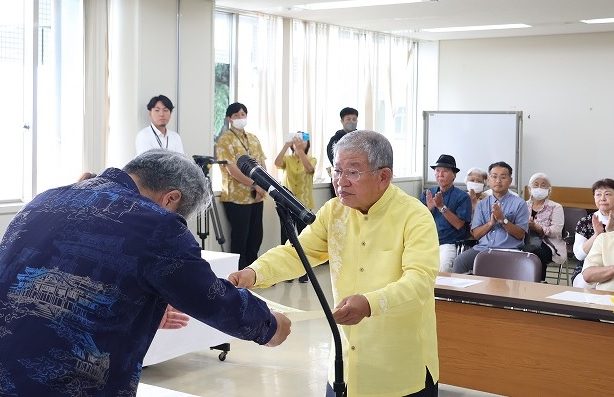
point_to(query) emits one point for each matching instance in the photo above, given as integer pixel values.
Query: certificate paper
(583, 297)
(456, 282)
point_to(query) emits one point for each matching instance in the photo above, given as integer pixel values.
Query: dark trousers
(245, 230)
(543, 252)
(430, 389)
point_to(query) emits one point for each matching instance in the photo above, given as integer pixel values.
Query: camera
(300, 135)
(205, 161)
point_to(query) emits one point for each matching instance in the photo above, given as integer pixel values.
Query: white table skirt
(196, 336)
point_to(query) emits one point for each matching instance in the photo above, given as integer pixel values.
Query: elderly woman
(591, 226)
(545, 223)
(476, 181)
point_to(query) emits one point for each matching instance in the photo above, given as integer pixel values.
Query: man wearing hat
(451, 208)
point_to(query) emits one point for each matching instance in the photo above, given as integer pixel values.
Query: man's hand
(173, 319)
(438, 200)
(352, 310)
(430, 202)
(497, 212)
(245, 278)
(283, 329)
(86, 175)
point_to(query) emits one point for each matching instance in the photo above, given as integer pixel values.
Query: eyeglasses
(499, 177)
(606, 194)
(351, 174)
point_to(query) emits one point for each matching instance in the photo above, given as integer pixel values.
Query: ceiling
(546, 17)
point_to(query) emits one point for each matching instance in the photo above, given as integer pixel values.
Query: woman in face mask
(546, 221)
(241, 198)
(476, 180)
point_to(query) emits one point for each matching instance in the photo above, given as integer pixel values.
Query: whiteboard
(475, 139)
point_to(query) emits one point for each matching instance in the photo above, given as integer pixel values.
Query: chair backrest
(572, 216)
(512, 265)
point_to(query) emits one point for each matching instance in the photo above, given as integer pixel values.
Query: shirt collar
(382, 202)
(157, 131)
(121, 177)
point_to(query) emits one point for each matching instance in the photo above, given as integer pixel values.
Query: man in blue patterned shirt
(87, 271)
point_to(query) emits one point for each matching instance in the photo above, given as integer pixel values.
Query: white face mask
(239, 123)
(475, 186)
(539, 193)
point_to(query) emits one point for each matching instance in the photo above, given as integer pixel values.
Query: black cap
(447, 161)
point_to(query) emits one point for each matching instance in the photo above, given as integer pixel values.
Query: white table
(196, 336)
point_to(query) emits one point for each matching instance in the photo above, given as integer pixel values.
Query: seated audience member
(598, 266)
(591, 226)
(546, 221)
(451, 209)
(476, 181)
(500, 220)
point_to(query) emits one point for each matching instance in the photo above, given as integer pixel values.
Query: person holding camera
(299, 167)
(241, 198)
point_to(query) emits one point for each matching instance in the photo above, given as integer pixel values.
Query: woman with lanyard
(241, 198)
(156, 135)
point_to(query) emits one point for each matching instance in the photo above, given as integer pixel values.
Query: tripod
(210, 213)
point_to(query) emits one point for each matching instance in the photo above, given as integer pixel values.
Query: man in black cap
(451, 208)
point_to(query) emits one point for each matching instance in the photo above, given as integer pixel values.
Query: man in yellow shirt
(383, 251)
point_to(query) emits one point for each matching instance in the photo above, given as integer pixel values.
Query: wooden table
(506, 337)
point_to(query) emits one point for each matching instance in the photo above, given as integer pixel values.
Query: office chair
(572, 216)
(512, 265)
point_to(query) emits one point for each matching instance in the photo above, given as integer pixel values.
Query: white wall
(564, 84)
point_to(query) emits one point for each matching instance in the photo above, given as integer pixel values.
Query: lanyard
(158, 138)
(241, 141)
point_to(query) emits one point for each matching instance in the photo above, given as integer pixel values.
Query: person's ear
(170, 200)
(385, 175)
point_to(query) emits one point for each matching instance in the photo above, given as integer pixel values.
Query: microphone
(250, 168)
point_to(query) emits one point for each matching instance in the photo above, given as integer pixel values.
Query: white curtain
(333, 67)
(259, 82)
(96, 101)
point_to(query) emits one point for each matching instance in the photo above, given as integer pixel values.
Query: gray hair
(539, 175)
(475, 170)
(377, 148)
(162, 170)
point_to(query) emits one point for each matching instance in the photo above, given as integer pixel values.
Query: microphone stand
(339, 386)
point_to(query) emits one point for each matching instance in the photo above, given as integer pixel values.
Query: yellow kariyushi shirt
(231, 145)
(602, 254)
(391, 256)
(298, 180)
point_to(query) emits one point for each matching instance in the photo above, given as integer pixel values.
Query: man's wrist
(443, 209)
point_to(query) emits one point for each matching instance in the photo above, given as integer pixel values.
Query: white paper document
(456, 282)
(145, 390)
(583, 297)
(292, 313)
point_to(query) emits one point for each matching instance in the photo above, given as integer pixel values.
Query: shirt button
(362, 269)
(353, 347)
(363, 243)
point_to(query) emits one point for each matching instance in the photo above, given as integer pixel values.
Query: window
(41, 73)
(223, 60)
